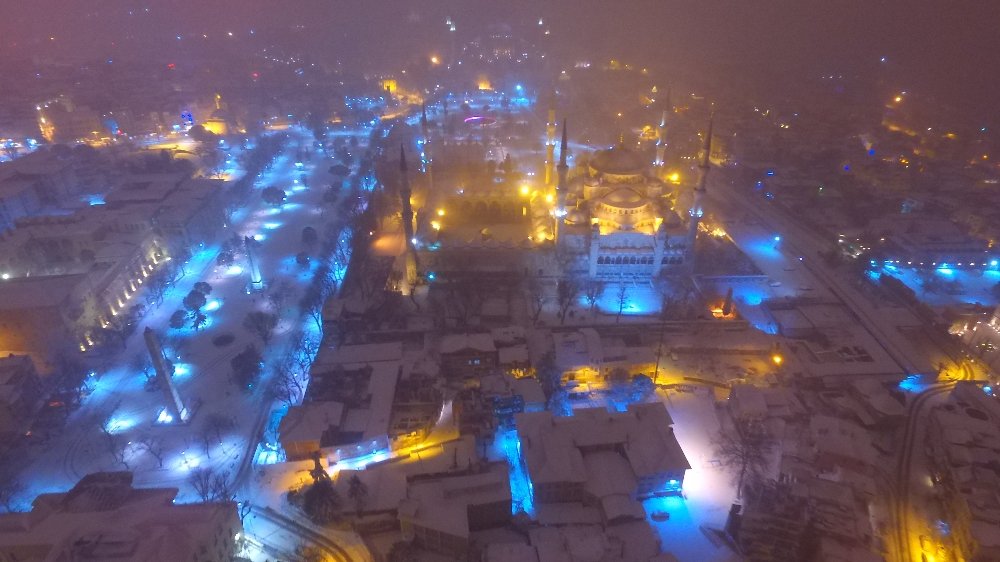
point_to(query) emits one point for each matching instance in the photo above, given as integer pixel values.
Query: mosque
(618, 220)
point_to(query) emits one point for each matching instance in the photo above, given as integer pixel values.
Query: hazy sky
(947, 47)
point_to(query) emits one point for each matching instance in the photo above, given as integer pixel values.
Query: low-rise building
(440, 513)
(467, 355)
(585, 357)
(964, 443)
(104, 518)
(604, 459)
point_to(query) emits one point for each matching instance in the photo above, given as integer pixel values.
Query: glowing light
(272, 225)
(5, 276)
(911, 384)
(525, 190)
(435, 60)
(435, 225)
(898, 99)
(549, 198)
(777, 359)
(440, 212)
(234, 270)
(259, 237)
(118, 425)
(674, 177)
(213, 305)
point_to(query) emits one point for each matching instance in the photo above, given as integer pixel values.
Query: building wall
(449, 545)
(468, 362)
(558, 492)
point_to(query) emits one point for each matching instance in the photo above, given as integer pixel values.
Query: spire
(562, 147)
(668, 108)
(707, 145)
(562, 170)
(402, 159)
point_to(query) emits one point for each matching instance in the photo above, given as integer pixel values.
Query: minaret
(550, 144)
(661, 135)
(425, 148)
(410, 255)
(561, 187)
(175, 408)
(697, 209)
(404, 195)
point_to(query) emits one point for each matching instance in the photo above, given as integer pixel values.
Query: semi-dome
(619, 160)
(624, 198)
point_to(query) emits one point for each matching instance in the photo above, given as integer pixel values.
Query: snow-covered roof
(577, 349)
(443, 503)
(747, 401)
(37, 292)
(351, 356)
(551, 445)
(508, 335)
(104, 518)
(308, 421)
(453, 343)
(514, 355)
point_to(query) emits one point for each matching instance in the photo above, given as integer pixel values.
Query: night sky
(944, 49)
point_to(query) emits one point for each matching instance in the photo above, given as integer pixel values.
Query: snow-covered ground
(708, 486)
(202, 367)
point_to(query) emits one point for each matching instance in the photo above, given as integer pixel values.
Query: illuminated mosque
(616, 219)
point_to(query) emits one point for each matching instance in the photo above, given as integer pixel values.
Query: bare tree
(279, 294)
(143, 364)
(285, 385)
(311, 304)
(152, 445)
(566, 293)
(746, 450)
(201, 480)
(536, 296)
(218, 423)
(221, 488)
(261, 324)
(592, 290)
(358, 492)
(622, 295)
(115, 445)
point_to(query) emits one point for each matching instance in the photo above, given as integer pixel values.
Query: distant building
(602, 459)
(964, 443)
(584, 357)
(620, 220)
(922, 241)
(104, 518)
